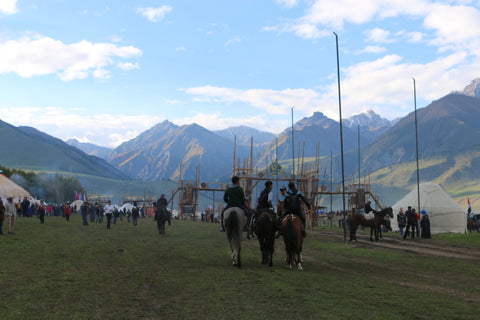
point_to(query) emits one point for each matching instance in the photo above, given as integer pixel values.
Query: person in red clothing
(67, 211)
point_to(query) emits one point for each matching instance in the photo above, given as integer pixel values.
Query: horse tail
(233, 228)
(267, 228)
(292, 239)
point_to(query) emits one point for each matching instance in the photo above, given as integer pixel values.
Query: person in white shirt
(10, 213)
(108, 211)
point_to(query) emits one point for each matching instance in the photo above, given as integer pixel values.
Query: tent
(77, 204)
(446, 215)
(126, 207)
(9, 188)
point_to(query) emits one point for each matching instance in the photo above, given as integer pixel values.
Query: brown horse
(472, 225)
(265, 226)
(293, 238)
(379, 219)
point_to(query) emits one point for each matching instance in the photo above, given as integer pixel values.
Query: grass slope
(63, 270)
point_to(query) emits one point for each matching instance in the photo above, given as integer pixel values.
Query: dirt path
(417, 246)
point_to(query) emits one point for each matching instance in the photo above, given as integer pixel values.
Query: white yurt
(446, 215)
(77, 204)
(9, 188)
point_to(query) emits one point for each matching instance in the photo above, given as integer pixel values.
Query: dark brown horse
(293, 238)
(265, 226)
(472, 225)
(375, 224)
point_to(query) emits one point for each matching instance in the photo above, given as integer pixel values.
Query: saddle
(294, 216)
(369, 216)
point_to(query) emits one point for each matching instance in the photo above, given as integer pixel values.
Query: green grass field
(63, 270)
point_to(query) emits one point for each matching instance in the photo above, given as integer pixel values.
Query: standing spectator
(417, 220)
(411, 221)
(401, 221)
(108, 211)
(2, 216)
(19, 210)
(30, 211)
(67, 211)
(41, 211)
(281, 199)
(84, 211)
(25, 205)
(10, 212)
(91, 211)
(425, 225)
(135, 213)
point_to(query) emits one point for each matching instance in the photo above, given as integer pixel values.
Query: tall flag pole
(293, 148)
(416, 142)
(469, 210)
(341, 143)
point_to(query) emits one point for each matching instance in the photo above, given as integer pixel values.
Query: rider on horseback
(265, 202)
(234, 197)
(292, 205)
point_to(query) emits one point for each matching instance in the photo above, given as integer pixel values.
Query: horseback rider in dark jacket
(234, 197)
(292, 205)
(368, 207)
(265, 202)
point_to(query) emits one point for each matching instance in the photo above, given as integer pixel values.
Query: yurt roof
(9, 188)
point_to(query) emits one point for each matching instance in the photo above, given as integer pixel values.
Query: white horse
(234, 220)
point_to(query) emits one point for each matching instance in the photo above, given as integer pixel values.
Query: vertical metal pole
(293, 148)
(359, 156)
(416, 142)
(331, 181)
(341, 142)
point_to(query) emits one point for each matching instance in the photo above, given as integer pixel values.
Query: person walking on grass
(41, 211)
(411, 221)
(2, 215)
(84, 211)
(10, 212)
(135, 213)
(108, 211)
(67, 211)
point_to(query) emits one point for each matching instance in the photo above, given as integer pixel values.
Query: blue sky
(105, 71)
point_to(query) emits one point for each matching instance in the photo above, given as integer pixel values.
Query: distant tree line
(50, 187)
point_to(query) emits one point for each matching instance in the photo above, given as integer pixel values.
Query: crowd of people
(90, 212)
(408, 223)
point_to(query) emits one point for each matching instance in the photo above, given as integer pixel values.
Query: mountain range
(447, 139)
(30, 149)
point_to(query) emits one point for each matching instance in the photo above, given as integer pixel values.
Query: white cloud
(8, 6)
(378, 35)
(372, 49)
(180, 48)
(40, 55)
(128, 66)
(155, 14)
(288, 3)
(232, 41)
(454, 25)
(274, 102)
(64, 123)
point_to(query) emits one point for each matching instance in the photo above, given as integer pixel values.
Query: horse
(265, 227)
(161, 216)
(293, 238)
(234, 221)
(472, 225)
(374, 221)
